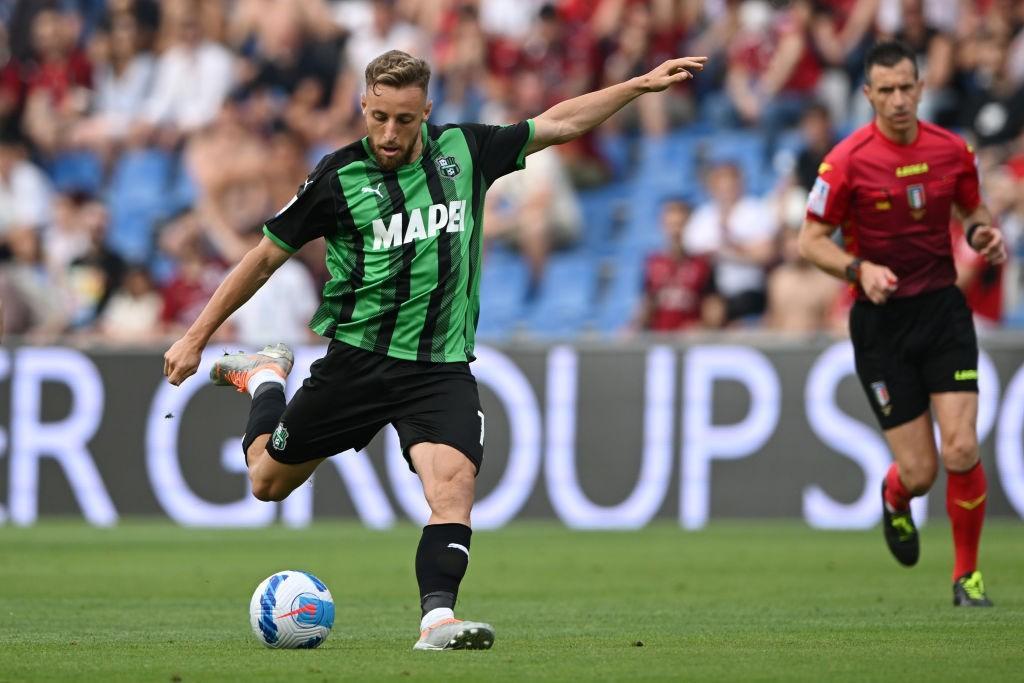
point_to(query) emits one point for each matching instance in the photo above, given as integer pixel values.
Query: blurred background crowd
(144, 142)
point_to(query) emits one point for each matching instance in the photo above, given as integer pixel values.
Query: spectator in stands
(535, 209)
(59, 80)
(773, 71)
(737, 233)
(94, 276)
(818, 138)
(640, 45)
(994, 110)
(12, 88)
(801, 298)
(935, 61)
(132, 316)
(66, 238)
(34, 304)
(193, 77)
(25, 191)
(677, 286)
(460, 63)
(123, 73)
(840, 33)
(290, 298)
(197, 272)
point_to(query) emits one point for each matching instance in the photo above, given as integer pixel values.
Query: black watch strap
(853, 270)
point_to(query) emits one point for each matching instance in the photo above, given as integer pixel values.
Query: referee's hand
(988, 242)
(878, 282)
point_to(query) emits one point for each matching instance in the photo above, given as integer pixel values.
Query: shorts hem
(443, 442)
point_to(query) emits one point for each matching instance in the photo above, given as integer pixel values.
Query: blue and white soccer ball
(291, 610)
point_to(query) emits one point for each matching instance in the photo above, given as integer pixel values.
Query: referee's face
(393, 119)
(894, 92)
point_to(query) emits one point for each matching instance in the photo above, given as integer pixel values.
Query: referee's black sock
(264, 413)
(441, 561)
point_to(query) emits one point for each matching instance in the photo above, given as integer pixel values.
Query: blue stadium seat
(747, 150)
(80, 171)
(619, 302)
(566, 297)
(502, 291)
(139, 199)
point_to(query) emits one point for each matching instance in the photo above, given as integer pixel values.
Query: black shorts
(351, 394)
(912, 347)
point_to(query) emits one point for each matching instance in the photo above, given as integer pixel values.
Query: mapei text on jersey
(448, 217)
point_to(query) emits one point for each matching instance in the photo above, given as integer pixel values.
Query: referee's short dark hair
(397, 69)
(888, 53)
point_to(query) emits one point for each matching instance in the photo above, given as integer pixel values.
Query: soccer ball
(291, 609)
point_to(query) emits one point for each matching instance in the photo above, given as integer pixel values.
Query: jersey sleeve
(500, 150)
(829, 199)
(968, 191)
(310, 214)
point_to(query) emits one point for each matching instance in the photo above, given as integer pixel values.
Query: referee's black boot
(900, 534)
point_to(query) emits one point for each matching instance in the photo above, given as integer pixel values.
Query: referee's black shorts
(911, 347)
(352, 393)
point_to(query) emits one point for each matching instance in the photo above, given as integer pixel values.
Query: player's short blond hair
(397, 69)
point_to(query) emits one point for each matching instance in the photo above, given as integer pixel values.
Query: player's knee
(268, 490)
(959, 453)
(919, 478)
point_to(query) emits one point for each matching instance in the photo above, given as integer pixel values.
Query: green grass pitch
(739, 601)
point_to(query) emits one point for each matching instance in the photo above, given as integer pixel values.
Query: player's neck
(899, 137)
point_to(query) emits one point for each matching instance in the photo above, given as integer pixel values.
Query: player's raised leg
(966, 491)
(262, 375)
(449, 480)
(911, 474)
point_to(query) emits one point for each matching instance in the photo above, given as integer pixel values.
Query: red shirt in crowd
(894, 201)
(676, 288)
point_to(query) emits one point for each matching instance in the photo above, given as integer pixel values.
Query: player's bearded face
(894, 92)
(393, 120)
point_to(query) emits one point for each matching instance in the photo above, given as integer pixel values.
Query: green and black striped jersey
(403, 246)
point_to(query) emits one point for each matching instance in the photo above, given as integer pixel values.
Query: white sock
(260, 377)
(435, 615)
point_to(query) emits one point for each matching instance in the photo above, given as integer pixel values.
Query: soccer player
(400, 210)
(892, 186)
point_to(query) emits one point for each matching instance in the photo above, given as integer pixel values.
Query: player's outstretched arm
(182, 359)
(816, 245)
(572, 118)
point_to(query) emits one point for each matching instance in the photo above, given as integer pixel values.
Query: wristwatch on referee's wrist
(853, 270)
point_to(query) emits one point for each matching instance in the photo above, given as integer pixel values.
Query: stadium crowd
(144, 142)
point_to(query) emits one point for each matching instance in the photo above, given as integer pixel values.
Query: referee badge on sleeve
(881, 393)
(817, 200)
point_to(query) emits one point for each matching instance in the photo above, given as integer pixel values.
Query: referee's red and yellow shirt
(893, 202)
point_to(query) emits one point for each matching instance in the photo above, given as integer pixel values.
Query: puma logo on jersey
(449, 217)
(374, 190)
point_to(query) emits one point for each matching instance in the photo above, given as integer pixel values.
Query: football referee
(892, 186)
(400, 210)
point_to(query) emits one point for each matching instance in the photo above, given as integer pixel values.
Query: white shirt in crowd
(751, 220)
(24, 197)
(120, 99)
(191, 84)
(280, 310)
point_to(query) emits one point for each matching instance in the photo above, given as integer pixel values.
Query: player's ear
(362, 103)
(427, 109)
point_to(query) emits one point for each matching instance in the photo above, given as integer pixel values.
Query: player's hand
(878, 282)
(988, 242)
(673, 71)
(182, 360)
